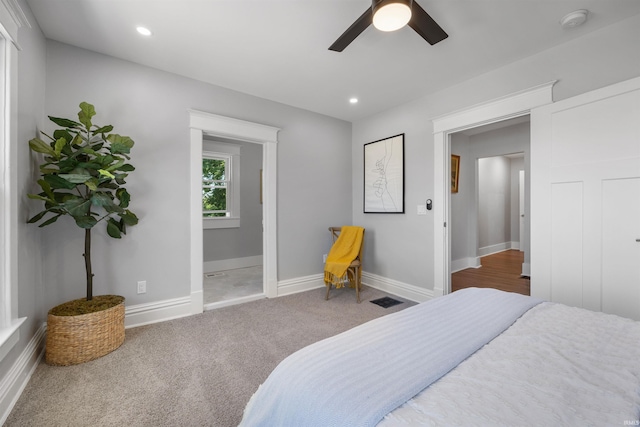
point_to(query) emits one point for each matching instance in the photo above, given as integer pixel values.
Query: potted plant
(83, 176)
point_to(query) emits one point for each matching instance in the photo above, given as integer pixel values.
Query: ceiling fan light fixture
(391, 15)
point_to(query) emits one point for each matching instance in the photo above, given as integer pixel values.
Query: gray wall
(400, 247)
(494, 201)
(151, 106)
(31, 93)
(245, 241)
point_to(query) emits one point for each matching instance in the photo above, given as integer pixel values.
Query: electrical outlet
(142, 287)
(324, 258)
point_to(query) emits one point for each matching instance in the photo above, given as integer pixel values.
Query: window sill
(10, 336)
(223, 222)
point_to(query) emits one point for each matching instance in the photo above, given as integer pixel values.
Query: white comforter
(556, 365)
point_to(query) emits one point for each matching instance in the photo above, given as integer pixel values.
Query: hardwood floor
(499, 271)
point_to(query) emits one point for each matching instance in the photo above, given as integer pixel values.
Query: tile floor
(230, 284)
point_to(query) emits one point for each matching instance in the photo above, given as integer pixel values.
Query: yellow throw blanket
(341, 255)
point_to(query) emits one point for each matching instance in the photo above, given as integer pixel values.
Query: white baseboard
(515, 245)
(494, 249)
(464, 263)
(154, 312)
(16, 379)
(403, 290)
(232, 264)
(300, 284)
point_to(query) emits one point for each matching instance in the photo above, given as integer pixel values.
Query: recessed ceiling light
(144, 31)
(353, 100)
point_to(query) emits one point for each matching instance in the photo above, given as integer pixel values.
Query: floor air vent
(214, 274)
(386, 302)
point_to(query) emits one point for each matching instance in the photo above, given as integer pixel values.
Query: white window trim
(231, 151)
(11, 19)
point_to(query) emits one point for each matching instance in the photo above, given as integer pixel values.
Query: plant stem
(87, 263)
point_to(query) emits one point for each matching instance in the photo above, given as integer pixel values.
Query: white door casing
(507, 107)
(201, 124)
(585, 170)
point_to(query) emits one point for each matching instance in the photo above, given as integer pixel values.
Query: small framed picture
(455, 172)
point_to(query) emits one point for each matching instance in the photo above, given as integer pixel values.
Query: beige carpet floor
(195, 371)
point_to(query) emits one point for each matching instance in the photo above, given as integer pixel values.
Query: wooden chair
(354, 270)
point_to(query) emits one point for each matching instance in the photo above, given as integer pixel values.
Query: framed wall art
(384, 175)
(455, 172)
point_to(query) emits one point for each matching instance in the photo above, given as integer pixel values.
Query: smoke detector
(574, 19)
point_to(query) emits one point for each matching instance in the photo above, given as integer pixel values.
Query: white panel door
(585, 200)
(621, 247)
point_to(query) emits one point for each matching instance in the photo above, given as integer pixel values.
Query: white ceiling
(278, 49)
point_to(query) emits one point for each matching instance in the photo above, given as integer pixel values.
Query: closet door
(585, 200)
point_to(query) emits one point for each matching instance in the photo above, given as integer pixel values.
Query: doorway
(232, 224)
(515, 105)
(488, 231)
(205, 124)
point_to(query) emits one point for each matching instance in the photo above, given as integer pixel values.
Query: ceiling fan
(391, 15)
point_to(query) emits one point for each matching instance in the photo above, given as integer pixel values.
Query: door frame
(507, 107)
(202, 124)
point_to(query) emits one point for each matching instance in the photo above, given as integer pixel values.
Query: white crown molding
(12, 18)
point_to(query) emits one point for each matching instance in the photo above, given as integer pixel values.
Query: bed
(474, 357)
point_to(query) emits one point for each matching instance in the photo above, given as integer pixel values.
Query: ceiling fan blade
(353, 31)
(424, 25)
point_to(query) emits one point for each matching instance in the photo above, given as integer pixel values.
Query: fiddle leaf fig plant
(83, 176)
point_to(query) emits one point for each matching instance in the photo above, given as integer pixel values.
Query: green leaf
(64, 122)
(120, 144)
(129, 217)
(37, 217)
(57, 182)
(115, 166)
(97, 147)
(77, 140)
(113, 229)
(104, 129)
(77, 207)
(92, 184)
(87, 111)
(105, 160)
(124, 197)
(39, 146)
(126, 168)
(38, 197)
(46, 187)
(62, 133)
(45, 170)
(68, 165)
(105, 200)
(76, 178)
(60, 143)
(50, 220)
(85, 221)
(106, 173)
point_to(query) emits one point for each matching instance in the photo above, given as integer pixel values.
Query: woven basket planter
(77, 339)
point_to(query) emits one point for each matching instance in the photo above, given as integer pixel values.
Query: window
(216, 185)
(220, 185)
